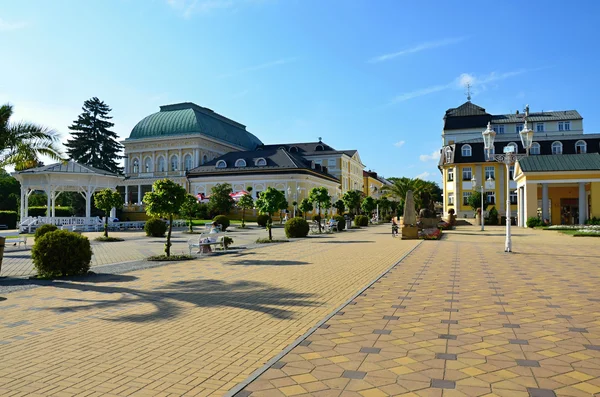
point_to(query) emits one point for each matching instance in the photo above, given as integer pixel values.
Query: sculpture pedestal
(429, 223)
(410, 232)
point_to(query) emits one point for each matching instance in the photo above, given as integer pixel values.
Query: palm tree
(400, 186)
(22, 143)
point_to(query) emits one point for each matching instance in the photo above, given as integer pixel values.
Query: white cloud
(423, 175)
(434, 156)
(7, 26)
(478, 84)
(418, 48)
(399, 143)
(265, 65)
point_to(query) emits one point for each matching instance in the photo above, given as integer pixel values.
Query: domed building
(199, 148)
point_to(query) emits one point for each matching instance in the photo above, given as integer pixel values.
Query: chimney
(517, 112)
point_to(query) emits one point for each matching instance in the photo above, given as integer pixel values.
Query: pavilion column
(545, 211)
(582, 203)
(24, 198)
(53, 204)
(88, 202)
(126, 194)
(49, 201)
(139, 200)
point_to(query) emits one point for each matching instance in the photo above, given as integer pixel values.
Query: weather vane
(469, 92)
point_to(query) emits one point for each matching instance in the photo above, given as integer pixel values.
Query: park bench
(216, 239)
(16, 240)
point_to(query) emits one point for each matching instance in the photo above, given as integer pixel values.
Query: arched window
(148, 165)
(136, 166)
(514, 146)
(466, 150)
(240, 163)
(187, 161)
(294, 149)
(174, 163)
(580, 147)
(161, 164)
(319, 148)
(221, 164)
(535, 148)
(204, 159)
(557, 147)
(261, 162)
(448, 154)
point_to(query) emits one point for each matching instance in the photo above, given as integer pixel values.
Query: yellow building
(372, 184)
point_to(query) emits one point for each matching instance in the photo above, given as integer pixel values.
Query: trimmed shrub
(61, 253)
(40, 231)
(155, 227)
(534, 221)
(341, 222)
(223, 221)
(361, 220)
(58, 211)
(8, 218)
(492, 216)
(262, 220)
(592, 221)
(296, 227)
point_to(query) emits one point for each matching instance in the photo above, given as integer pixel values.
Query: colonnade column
(126, 194)
(582, 203)
(139, 200)
(545, 212)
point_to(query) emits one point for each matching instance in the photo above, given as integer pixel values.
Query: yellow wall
(555, 194)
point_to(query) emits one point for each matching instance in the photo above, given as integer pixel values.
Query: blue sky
(372, 75)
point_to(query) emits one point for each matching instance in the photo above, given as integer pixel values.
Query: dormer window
(514, 146)
(466, 150)
(557, 147)
(294, 149)
(221, 164)
(319, 148)
(240, 163)
(535, 148)
(580, 147)
(448, 154)
(281, 147)
(261, 162)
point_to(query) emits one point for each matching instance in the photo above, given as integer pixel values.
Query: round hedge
(61, 253)
(262, 220)
(361, 220)
(223, 221)
(40, 231)
(296, 227)
(341, 222)
(155, 227)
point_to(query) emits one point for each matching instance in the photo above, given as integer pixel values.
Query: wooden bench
(216, 239)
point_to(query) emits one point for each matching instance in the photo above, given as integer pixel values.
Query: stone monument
(410, 230)
(428, 219)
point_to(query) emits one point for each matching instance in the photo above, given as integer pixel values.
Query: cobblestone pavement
(190, 328)
(17, 260)
(459, 317)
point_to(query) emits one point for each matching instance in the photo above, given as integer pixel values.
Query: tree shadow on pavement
(257, 262)
(346, 242)
(168, 299)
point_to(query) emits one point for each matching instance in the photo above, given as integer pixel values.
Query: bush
(58, 211)
(593, 221)
(227, 241)
(262, 220)
(203, 211)
(534, 221)
(341, 222)
(155, 227)
(387, 218)
(296, 227)
(223, 221)
(61, 253)
(316, 218)
(8, 218)
(361, 220)
(493, 216)
(40, 231)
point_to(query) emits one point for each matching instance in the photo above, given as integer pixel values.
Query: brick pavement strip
(193, 328)
(507, 340)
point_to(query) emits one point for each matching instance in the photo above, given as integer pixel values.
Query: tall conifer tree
(93, 143)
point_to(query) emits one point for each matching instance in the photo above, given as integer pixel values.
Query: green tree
(220, 201)
(305, 206)
(190, 210)
(368, 205)
(400, 186)
(352, 200)
(321, 198)
(106, 200)
(22, 143)
(282, 207)
(269, 202)
(384, 205)
(164, 202)
(475, 201)
(93, 142)
(246, 202)
(339, 206)
(10, 192)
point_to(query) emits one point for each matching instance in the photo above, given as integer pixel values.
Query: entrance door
(569, 211)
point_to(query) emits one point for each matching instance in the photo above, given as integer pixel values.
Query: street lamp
(508, 158)
(474, 183)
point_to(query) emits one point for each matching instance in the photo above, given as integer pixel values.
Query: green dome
(188, 119)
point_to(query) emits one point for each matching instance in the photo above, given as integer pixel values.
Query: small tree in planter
(305, 206)
(320, 196)
(368, 205)
(165, 201)
(475, 203)
(339, 206)
(106, 200)
(269, 202)
(220, 201)
(246, 202)
(189, 210)
(352, 200)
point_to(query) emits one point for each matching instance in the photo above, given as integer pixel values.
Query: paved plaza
(456, 317)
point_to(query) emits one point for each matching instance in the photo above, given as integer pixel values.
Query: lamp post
(508, 158)
(296, 194)
(474, 183)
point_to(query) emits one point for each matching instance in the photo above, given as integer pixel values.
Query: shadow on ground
(346, 242)
(167, 299)
(257, 262)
